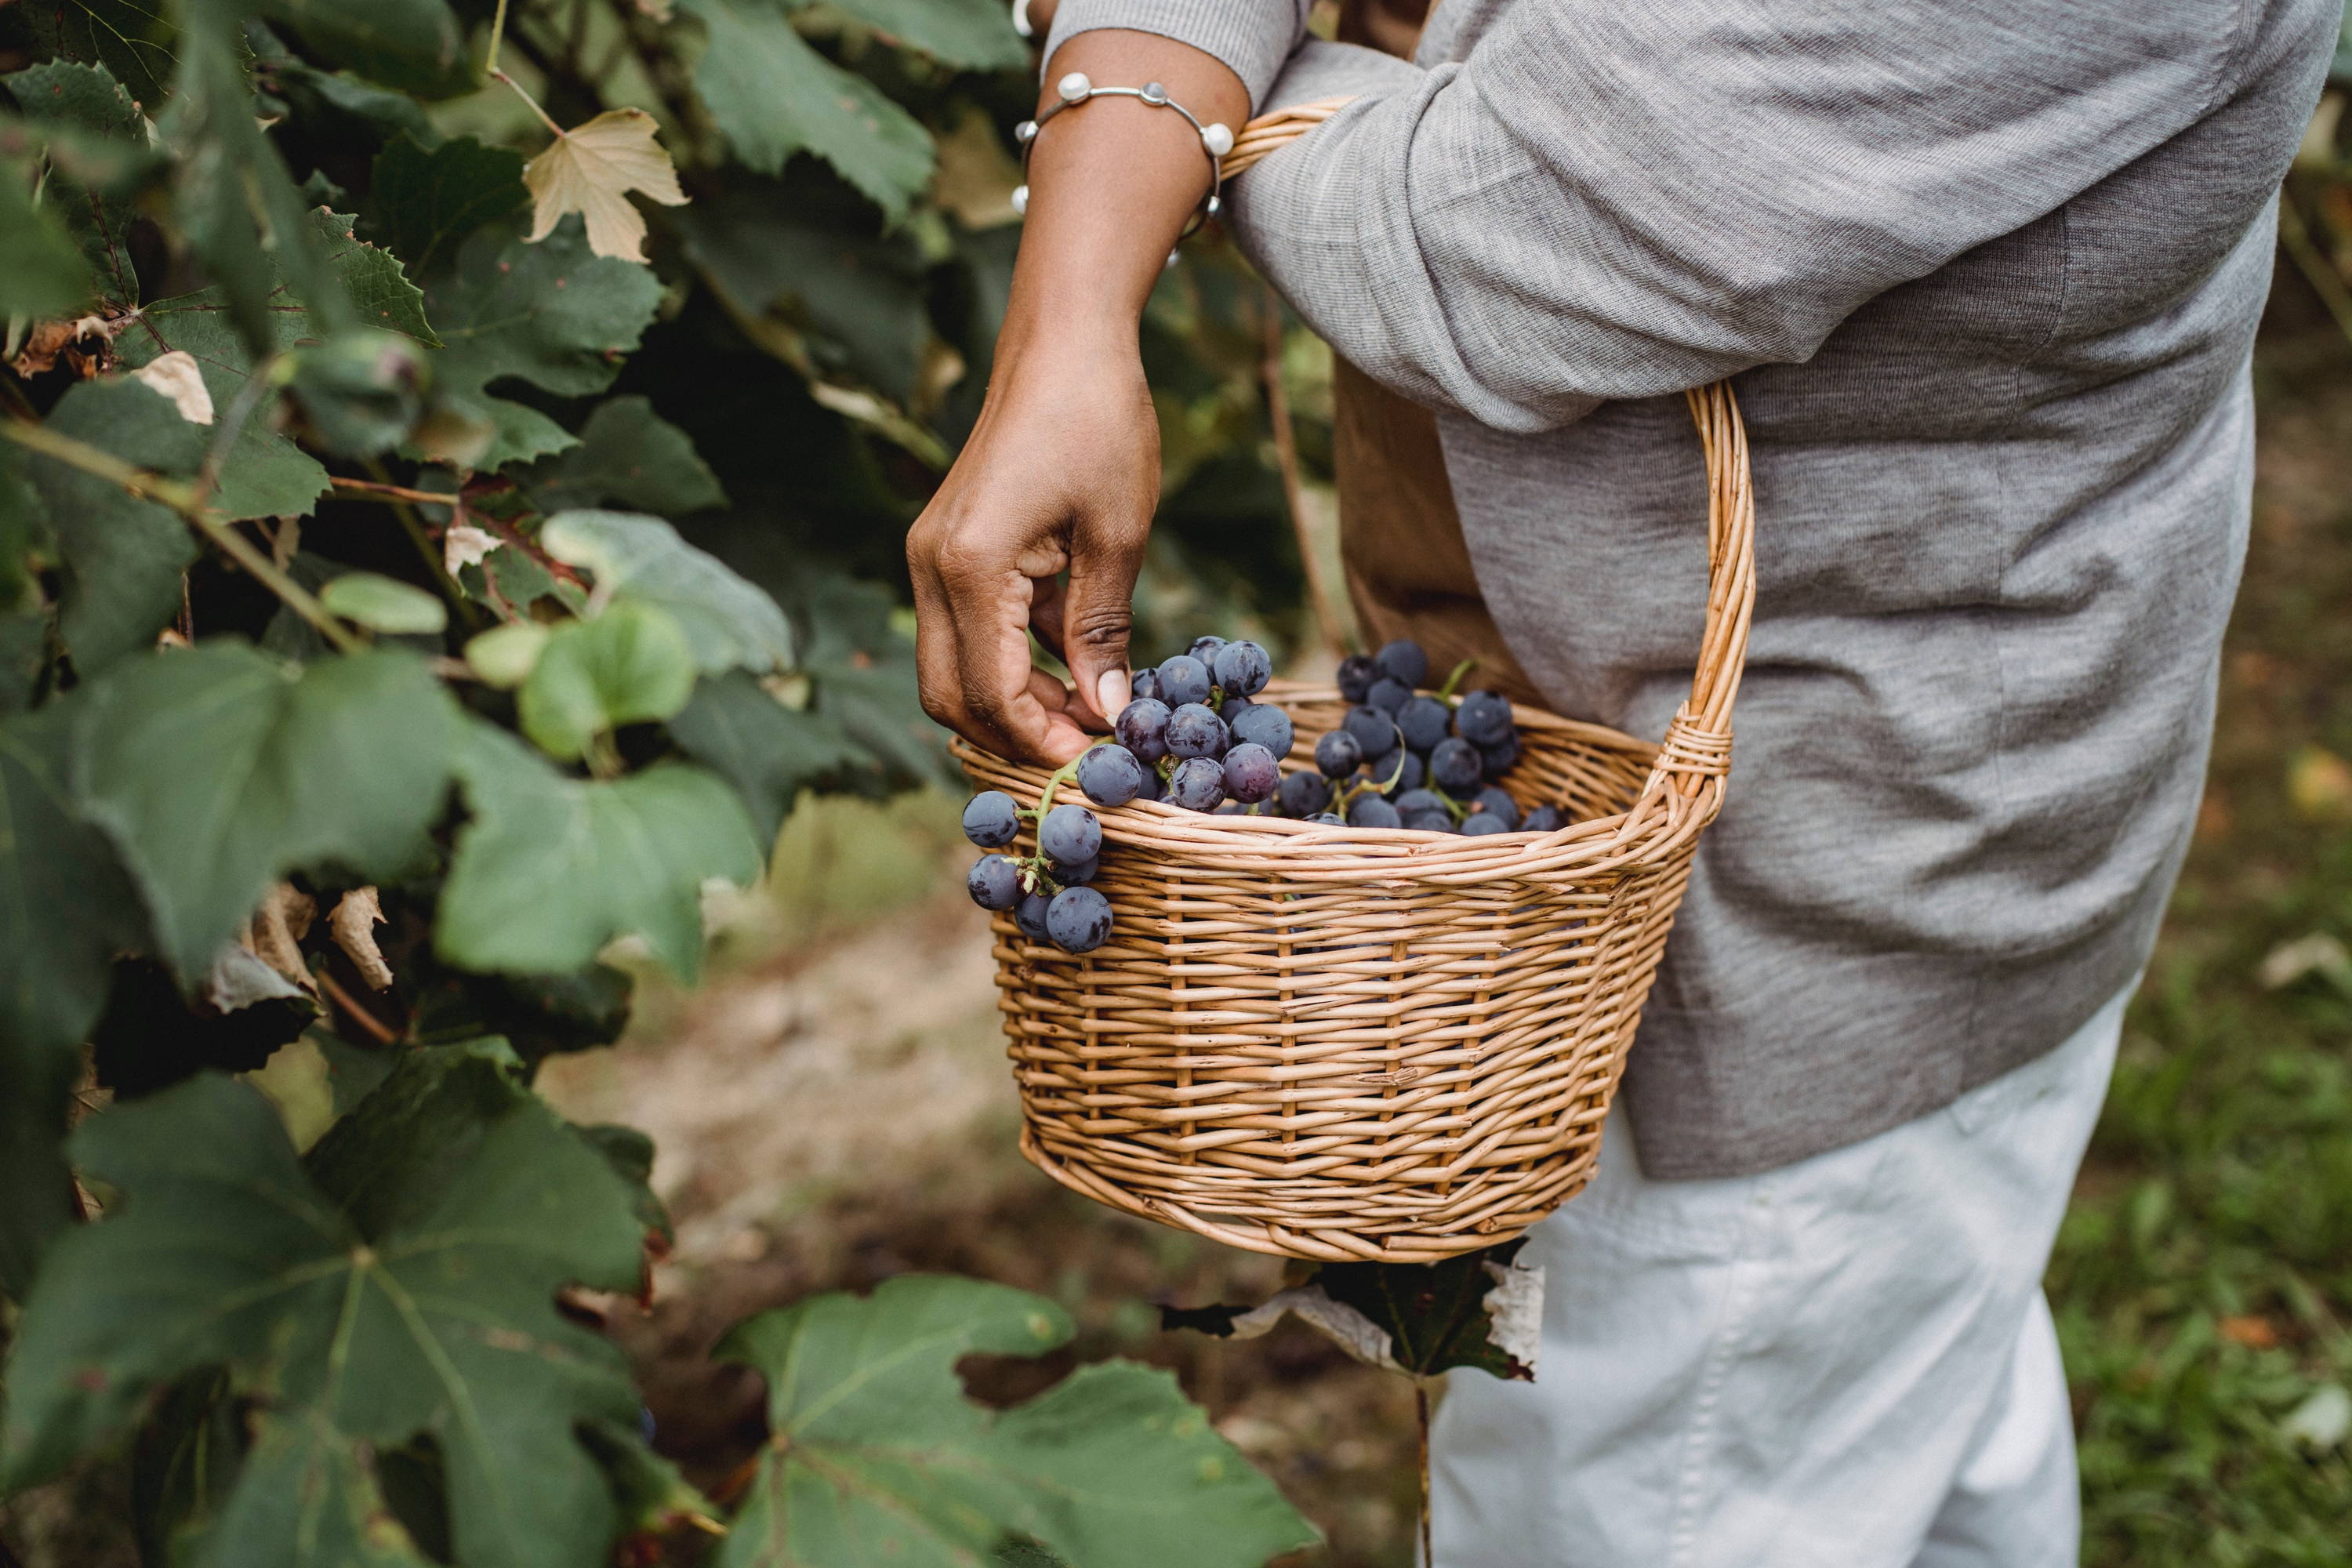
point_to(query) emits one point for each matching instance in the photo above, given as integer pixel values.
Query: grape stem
(1446, 692)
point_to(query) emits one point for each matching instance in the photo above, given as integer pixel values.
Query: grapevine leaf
(768, 751)
(877, 1455)
(772, 95)
(417, 46)
(403, 1284)
(727, 622)
(551, 868)
(591, 169)
(1445, 1314)
(973, 34)
(218, 770)
(61, 94)
(123, 557)
(24, 545)
(625, 666)
(41, 272)
(385, 604)
(426, 203)
(538, 1015)
(129, 38)
(551, 315)
(862, 668)
(307, 90)
(629, 454)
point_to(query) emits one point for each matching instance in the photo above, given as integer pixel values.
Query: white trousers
(1845, 1362)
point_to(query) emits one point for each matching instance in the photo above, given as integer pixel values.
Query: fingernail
(1113, 688)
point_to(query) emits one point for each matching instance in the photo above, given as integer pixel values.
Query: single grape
(1071, 876)
(1337, 754)
(1483, 718)
(1483, 822)
(1195, 731)
(1251, 773)
(1029, 914)
(1184, 680)
(1244, 666)
(1070, 835)
(1371, 811)
(1501, 757)
(1154, 786)
(1494, 801)
(991, 819)
(1232, 707)
(1375, 733)
(1305, 794)
(1197, 784)
(1111, 775)
(1204, 648)
(1411, 800)
(1542, 819)
(1142, 728)
(1144, 682)
(1403, 661)
(1328, 819)
(1455, 767)
(1264, 724)
(1437, 821)
(1356, 674)
(1078, 920)
(1389, 696)
(1425, 722)
(993, 882)
(1396, 773)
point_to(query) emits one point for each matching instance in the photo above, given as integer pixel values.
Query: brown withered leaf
(591, 169)
(354, 923)
(276, 933)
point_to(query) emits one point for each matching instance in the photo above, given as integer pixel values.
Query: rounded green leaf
(505, 655)
(385, 604)
(630, 664)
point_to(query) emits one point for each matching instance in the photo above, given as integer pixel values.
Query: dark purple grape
(1204, 648)
(1411, 800)
(1305, 794)
(1184, 680)
(1371, 811)
(1029, 914)
(1483, 822)
(1243, 668)
(1197, 784)
(1337, 755)
(1264, 724)
(1328, 819)
(1542, 819)
(1251, 773)
(1110, 775)
(990, 820)
(1483, 718)
(1069, 836)
(1396, 773)
(1425, 722)
(1154, 786)
(1195, 731)
(1455, 767)
(1375, 733)
(1232, 707)
(1403, 660)
(1078, 920)
(1144, 682)
(1437, 821)
(1389, 696)
(1142, 728)
(1071, 876)
(993, 882)
(1356, 674)
(1494, 801)
(1501, 757)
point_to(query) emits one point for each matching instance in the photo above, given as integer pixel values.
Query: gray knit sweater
(1986, 274)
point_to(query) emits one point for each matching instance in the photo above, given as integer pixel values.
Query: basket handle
(1697, 746)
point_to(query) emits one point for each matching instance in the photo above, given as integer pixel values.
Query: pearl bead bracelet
(1075, 89)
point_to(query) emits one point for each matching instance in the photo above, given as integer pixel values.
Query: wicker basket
(1351, 1044)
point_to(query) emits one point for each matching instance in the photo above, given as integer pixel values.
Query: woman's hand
(1060, 475)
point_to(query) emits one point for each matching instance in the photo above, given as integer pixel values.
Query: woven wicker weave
(1348, 1043)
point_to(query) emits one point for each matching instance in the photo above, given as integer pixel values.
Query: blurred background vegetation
(831, 1105)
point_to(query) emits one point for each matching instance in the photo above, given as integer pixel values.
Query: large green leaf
(772, 95)
(218, 770)
(123, 557)
(552, 314)
(132, 38)
(974, 34)
(417, 46)
(551, 868)
(403, 1285)
(727, 621)
(25, 547)
(310, 92)
(41, 271)
(625, 666)
(630, 455)
(876, 1455)
(426, 204)
(63, 95)
(768, 751)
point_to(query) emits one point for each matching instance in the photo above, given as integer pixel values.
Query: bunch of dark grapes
(1403, 757)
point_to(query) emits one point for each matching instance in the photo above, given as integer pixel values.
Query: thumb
(1097, 614)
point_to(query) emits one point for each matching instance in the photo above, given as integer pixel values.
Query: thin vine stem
(498, 37)
(182, 497)
(362, 489)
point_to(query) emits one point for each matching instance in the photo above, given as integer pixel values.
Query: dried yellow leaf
(276, 933)
(591, 169)
(177, 378)
(354, 923)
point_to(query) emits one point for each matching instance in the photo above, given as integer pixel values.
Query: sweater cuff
(1253, 38)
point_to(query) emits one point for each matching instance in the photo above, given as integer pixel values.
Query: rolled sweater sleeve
(1608, 200)
(1253, 38)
